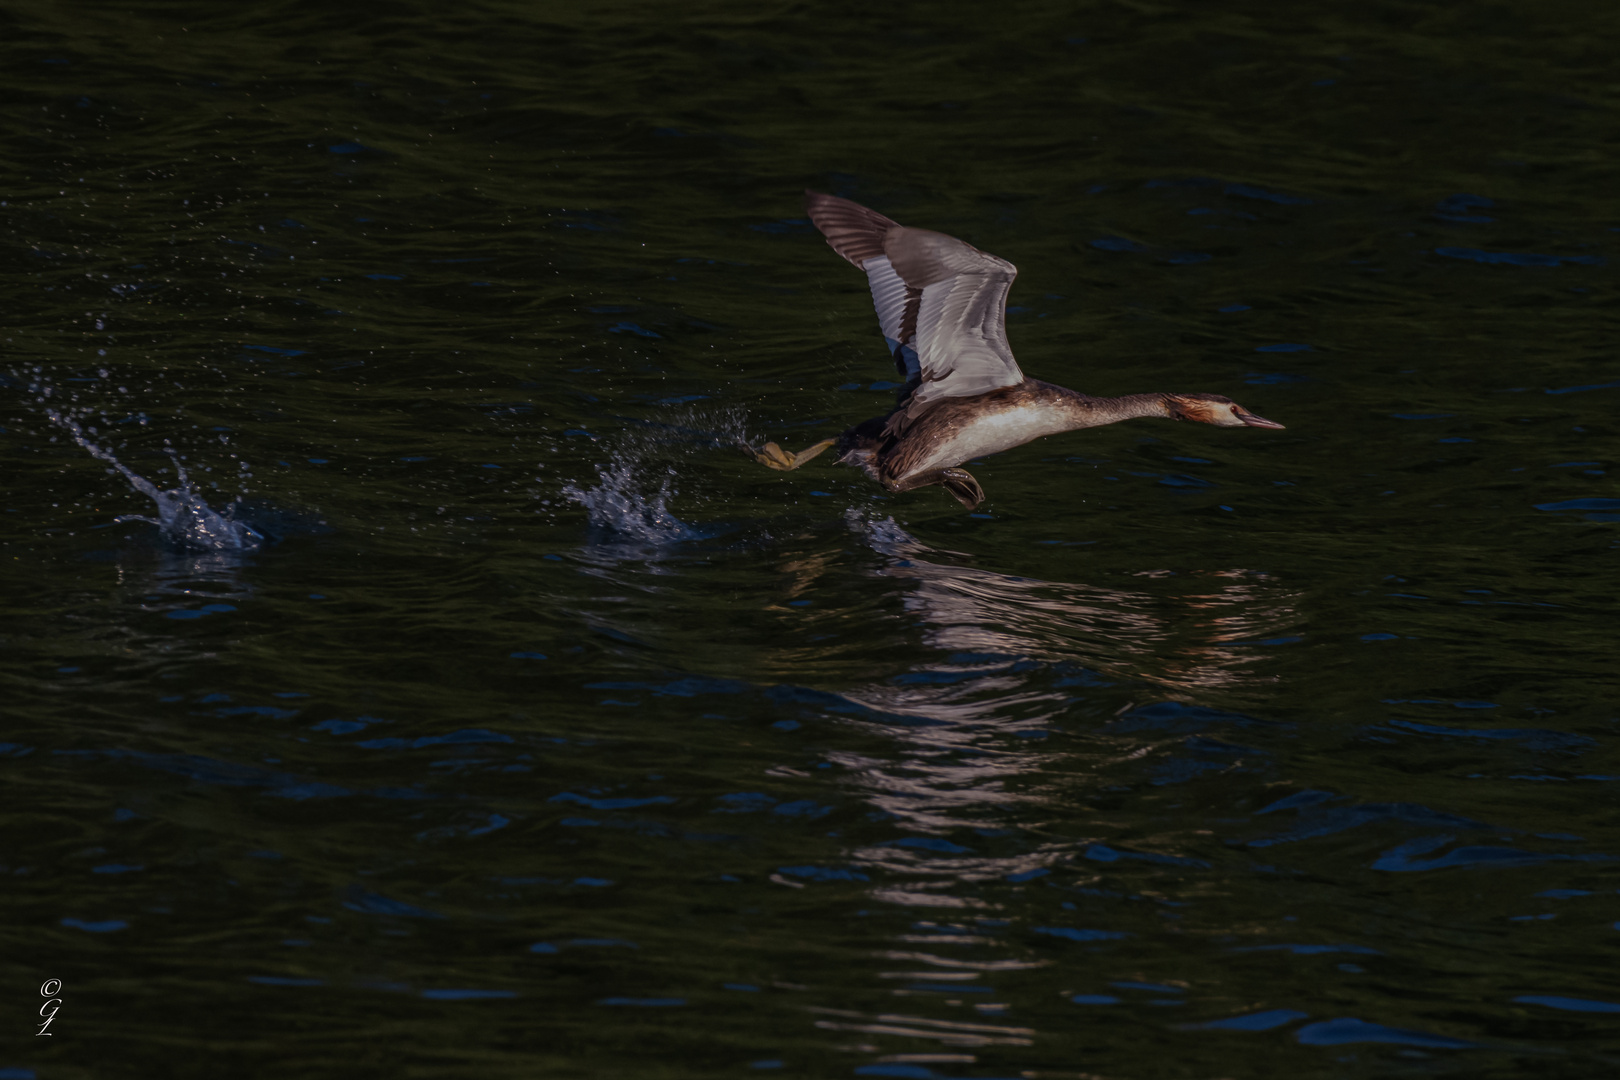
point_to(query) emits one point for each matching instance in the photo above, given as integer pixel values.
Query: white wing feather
(889, 296)
(942, 303)
(961, 337)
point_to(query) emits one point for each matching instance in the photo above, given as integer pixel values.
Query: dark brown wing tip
(854, 231)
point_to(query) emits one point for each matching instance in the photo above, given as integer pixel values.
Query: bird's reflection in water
(978, 795)
(1190, 640)
(1019, 650)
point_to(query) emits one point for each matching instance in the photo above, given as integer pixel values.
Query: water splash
(886, 537)
(696, 426)
(184, 519)
(626, 504)
(631, 500)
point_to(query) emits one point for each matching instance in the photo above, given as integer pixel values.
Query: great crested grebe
(942, 305)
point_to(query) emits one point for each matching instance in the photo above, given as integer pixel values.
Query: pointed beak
(1256, 421)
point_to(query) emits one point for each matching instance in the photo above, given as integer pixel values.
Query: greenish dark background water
(548, 735)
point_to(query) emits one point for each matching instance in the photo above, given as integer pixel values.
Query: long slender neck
(1096, 411)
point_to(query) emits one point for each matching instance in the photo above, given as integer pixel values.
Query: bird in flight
(942, 305)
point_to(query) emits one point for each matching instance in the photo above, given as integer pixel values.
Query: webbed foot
(960, 483)
(775, 457)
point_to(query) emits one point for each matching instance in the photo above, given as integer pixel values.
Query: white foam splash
(631, 499)
(183, 517)
(626, 503)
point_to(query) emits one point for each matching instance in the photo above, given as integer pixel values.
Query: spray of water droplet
(184, 519)
(632, 501)
(634, 489)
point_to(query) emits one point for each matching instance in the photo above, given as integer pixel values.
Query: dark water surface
(545, 734)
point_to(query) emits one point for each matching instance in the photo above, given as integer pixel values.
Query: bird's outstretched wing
(941, 303)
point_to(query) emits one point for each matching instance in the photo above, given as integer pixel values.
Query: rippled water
(536, 730)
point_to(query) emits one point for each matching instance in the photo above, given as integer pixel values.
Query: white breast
(994, 432)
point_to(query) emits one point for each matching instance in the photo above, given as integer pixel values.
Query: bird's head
(1214, 409)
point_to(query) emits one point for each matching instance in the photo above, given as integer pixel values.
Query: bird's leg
(775, 457)
(959, 482)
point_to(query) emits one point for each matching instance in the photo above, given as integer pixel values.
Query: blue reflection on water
(1569, 1004)
(1347, 1029)
(1260, 1021)
(934, 843)
(1510, 258)
(611, 804)
(468, 995)
(823, 873)
(1405, 858)
(1581, 389)
(1072, 934)
(370, 903)
(1310, 950)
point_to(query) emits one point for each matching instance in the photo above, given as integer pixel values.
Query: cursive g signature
(49, 989)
